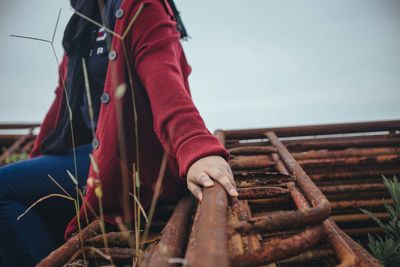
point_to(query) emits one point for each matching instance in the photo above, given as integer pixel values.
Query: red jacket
(167, 117)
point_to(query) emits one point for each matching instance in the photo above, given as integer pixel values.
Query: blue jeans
(26, 241)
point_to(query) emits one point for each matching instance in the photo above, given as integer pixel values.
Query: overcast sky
(256, 63)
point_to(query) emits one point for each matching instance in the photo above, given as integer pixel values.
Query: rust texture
(249, 162)
(173, 240)
(280, 249)
(61, 255)
(252, 150)
(211, 234)
(300, 193)
(261, 192)
(344, 253)
(343, 170)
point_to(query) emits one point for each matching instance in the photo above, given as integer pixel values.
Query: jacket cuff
(196, 148)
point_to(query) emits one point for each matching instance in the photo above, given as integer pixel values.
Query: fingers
(225, 179)
(195, 189)
(230, 175)
(203, 179)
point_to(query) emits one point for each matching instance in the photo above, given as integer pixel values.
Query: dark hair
(76, 31)
(179, 24)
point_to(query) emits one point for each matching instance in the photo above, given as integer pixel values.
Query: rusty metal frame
(283, 170)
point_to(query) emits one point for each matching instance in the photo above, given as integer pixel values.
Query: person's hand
(204, 171)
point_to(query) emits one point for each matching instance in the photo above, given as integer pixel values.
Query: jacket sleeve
(162, 69)
(51, 119)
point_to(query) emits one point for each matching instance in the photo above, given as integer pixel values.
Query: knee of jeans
(3, 195)
(4, 187)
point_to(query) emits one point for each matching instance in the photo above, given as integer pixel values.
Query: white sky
(255, 63)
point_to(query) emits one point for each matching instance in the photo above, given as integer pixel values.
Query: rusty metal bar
(210, 220)
(343, 251)
(261, 192)
(251, 162)
(364, 203)
(364, 259)
(116, 253)
(343, 142)
(17, 144)
(355, 174)
(235, 242)
(276, 250)
(280, 167)
(358, 127)
(192, 243)
(61, 255)
(381, 159)
(271, 191)
(299, 145)
(358, 217)
(290, 219)
(252, 150)
(251, 179)
(284, 220)
(210, 236)
(349, 152)
(13, 126)
(303, 180)
(352, 188)
(310, 255)
(173, 240)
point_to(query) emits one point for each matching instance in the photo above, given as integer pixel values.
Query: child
(124, 130)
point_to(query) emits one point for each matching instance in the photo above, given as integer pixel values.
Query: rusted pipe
(17, 144)
(252, 150)
(116, 253)
(309, 256)
(290, 219)
(251, 242)
(250, 179)
(192, 243)
(211, 233)
(355, 174)
(283, 220)
(61, 255)
(15, 126)
(303, 180)
(344, 253)
(342, 142)
(251, 162)
(280, 167)
(365, 203)
(173, 239)
(261, 192)
(349, 152)
(235, 242)
(352, 188)
(358, 127)
(364, 259)
(358, 217)
(276, 250)
(318, 163)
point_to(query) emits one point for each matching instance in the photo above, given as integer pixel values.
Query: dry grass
(138, 209)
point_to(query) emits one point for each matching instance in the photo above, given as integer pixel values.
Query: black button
(95, 143)
(112, 55)
(105, 98)
(119, 13)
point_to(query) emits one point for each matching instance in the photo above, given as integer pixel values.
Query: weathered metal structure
(15, 143)
(300, 193)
